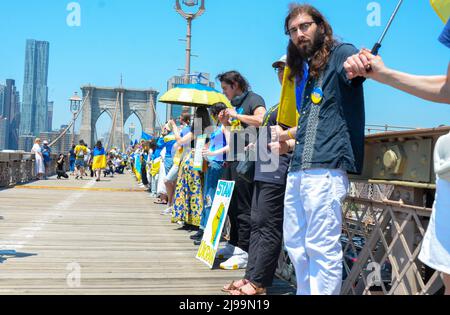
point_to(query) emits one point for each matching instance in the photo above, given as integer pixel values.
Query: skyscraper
(3, 132)
(35, 91)
(50, 116)
(10, 110)
(2, 97)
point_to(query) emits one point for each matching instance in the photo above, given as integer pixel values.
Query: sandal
(234, 285)
(257, 290)
(160, 202)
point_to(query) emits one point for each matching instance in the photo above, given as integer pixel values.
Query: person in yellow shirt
(80, 153)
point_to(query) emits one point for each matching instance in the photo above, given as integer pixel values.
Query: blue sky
(140, 39)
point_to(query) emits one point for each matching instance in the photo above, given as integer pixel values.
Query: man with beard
(328, 144)
(248, 111)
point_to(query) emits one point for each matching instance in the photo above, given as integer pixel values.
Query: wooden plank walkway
(110, 233)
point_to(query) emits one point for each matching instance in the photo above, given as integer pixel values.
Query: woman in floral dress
(188, 204)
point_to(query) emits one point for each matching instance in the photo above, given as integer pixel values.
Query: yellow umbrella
(194, 95)
(442, 8)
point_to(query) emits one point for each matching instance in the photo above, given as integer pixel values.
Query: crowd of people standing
(300, 200)
(83, 161)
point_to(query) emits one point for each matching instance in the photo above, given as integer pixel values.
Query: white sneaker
(238, 261)
(167, 211)
(226, 252)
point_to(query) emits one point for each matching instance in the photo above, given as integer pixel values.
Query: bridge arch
(120, 103)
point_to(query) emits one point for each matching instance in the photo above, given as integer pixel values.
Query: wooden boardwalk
(83, 237)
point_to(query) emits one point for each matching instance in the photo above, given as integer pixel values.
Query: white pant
(313, 227)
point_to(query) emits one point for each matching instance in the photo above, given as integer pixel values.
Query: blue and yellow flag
(442, 8)
(287, 112)
(146, 136)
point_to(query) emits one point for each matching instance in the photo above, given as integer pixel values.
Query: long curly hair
(322, 46)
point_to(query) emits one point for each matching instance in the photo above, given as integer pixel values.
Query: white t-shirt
(87, 156)
(442, 157)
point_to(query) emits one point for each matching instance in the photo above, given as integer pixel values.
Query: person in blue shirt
(72, 158)
(172, 174)
(160, 145)
(215, 155)
(46, 153)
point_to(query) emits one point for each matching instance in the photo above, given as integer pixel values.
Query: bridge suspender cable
(123, 123)
(113, 125)
(63, 133)
(156, 114)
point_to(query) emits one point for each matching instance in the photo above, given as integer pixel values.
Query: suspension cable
(63, 133)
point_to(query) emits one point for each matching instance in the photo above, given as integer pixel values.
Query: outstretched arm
(431, 88)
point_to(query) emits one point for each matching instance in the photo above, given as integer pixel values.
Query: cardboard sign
(198, 156)
(216, 221)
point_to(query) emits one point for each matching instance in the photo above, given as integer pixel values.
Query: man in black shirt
(249, 110)
(329, 143)
(267, 208)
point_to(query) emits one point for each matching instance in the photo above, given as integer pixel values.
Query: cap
(279, 62)
(45, 142)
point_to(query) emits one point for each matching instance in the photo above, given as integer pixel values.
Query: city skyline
(150, 51)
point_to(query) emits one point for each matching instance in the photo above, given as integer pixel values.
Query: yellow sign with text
(213, 231)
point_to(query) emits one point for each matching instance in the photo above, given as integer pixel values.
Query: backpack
(80, 154)
(46, 154)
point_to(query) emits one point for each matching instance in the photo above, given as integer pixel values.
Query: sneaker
(167, 211)
(226, 252)
(237, 261)
(197, 236)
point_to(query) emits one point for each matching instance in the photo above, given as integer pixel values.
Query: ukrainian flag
(442, 8)
(137, 163)
(146, 136)
(156, 165)
(99, 162)
(287, 112)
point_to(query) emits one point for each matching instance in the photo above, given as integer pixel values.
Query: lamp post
(189, 18)
(132, 130)
(75, 102)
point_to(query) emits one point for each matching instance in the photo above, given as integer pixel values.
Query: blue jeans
(72, 165)
(212, 176)
(154, 185)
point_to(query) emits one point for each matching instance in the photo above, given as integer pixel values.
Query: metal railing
(19, 168)
(369, 129)
(385, 238)
(381, 241)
